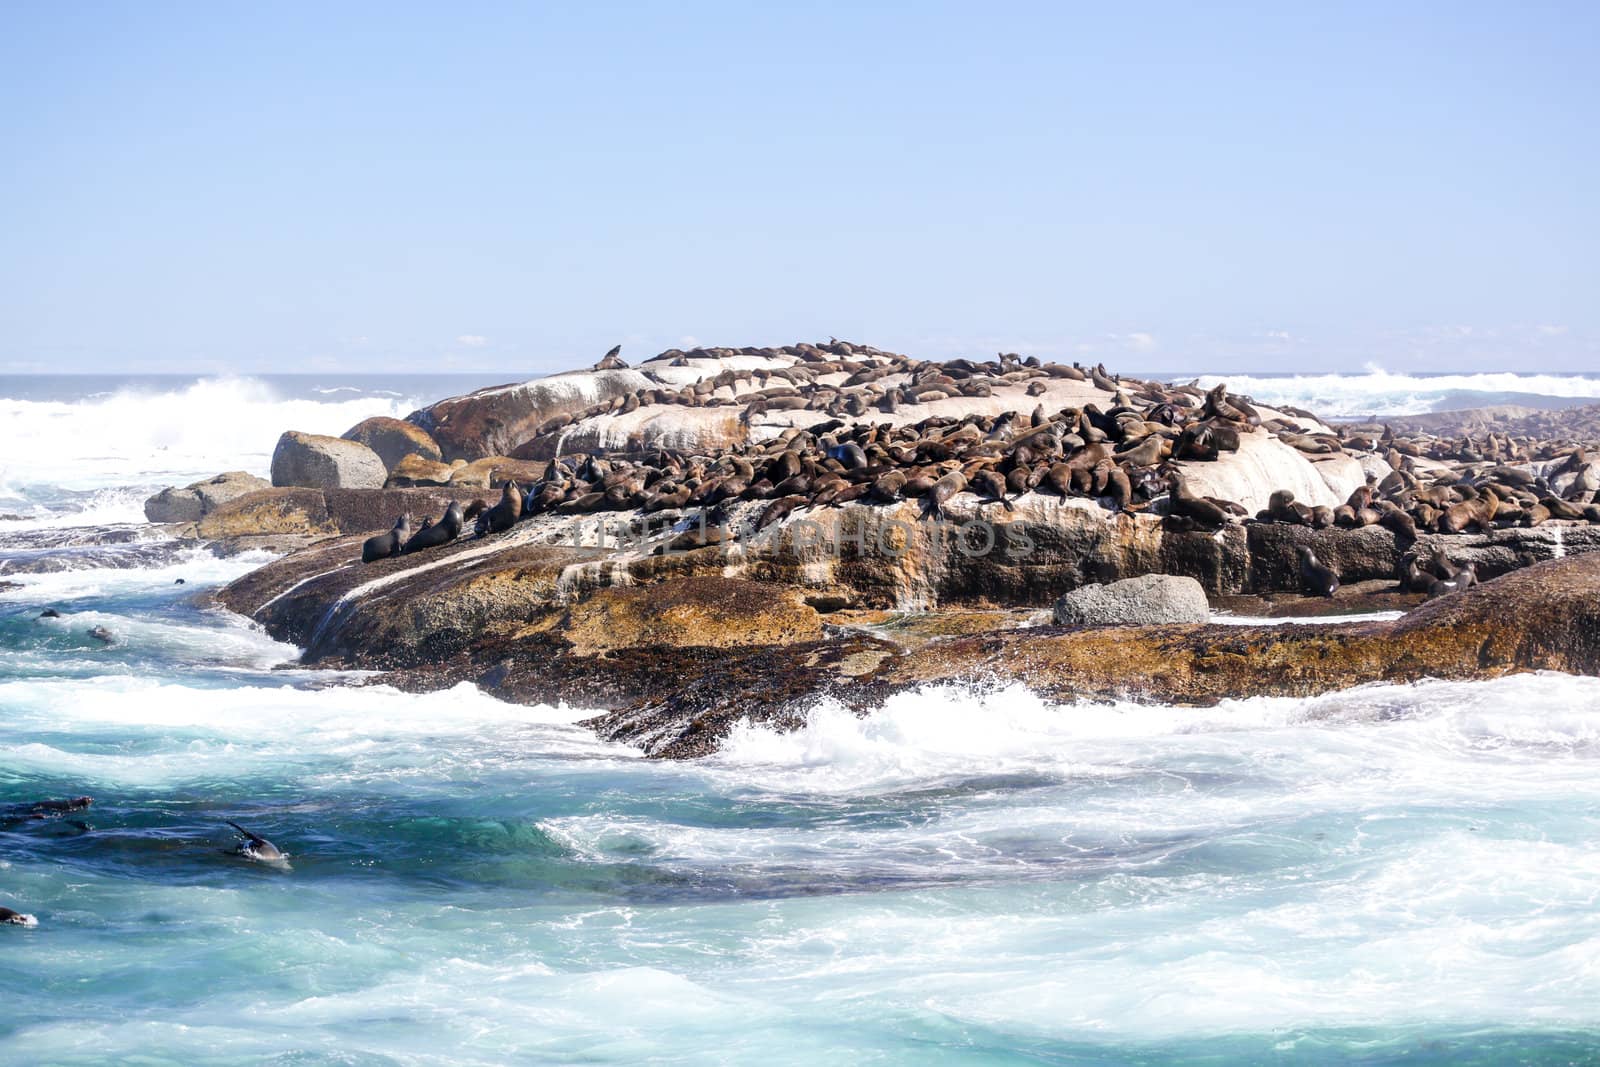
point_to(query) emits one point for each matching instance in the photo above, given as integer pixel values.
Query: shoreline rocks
(199, 499)
(746, 527)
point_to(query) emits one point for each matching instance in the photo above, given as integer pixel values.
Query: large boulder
(1262, 466)
(193, 502)
(1149, 600)
(393, 440)
(314, 461)
(492, 422)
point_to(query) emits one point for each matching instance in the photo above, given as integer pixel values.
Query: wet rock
(701, 612)
(394, 440)
(1149, 600)
(1545, 617)
(314, 461)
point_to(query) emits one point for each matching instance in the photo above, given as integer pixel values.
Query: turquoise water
(1391, 875)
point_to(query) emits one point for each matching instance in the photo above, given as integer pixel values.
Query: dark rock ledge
(676, 649)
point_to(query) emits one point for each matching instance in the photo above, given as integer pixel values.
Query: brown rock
(415, 470)
(393, 440)
(270, 511)
(703, 612)
(1546, 617)
(493, 421)
(199, 499)
(494, 471)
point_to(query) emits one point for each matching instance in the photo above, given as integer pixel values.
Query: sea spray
(1381, 392)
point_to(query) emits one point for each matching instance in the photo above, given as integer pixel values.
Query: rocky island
(703, 538)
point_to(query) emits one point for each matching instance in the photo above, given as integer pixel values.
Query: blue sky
(1175, 187)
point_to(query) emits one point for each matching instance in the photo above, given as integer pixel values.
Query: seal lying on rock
(387, 544)
(446, 530)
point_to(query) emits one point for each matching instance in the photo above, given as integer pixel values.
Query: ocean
(1392, 874)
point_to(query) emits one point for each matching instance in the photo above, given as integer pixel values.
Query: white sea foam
(346, 731)
(142, 437)
(1381, 392)
(197, 567)
(942, 731)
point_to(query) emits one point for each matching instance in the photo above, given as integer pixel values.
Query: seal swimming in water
(17, 918)
(255, 847)
(1319, 578)
(50, 809)
(49, 613)
(446, 530)
(101, 634)
(43, 810)
(386, 544)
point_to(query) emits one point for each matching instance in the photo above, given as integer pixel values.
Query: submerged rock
(1149, 600)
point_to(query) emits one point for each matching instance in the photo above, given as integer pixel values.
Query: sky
(1182, 187)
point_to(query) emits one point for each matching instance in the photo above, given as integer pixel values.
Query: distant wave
(140, 436)
(1380, 392)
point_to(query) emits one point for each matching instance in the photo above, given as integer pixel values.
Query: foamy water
(964, 875)
(92, 460)
(1380, 392)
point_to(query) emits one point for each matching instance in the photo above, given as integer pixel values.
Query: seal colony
(821, 426)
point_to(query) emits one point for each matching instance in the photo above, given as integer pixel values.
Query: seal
(386, 544)
(101, 634)
(1200, 509)
(1478, 512)
(255, 847)
(43, 810)
(446, 530)
(1465, 578)
(17, 918)
(612, 360)
(504, 514)
(1319, 578)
